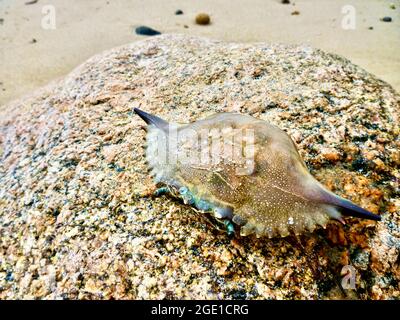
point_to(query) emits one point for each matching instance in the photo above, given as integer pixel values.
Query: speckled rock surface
(75, 218)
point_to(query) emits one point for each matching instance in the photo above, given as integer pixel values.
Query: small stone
(33, 41)
(387, 19)
(392, 6)
(203, 19)
(330, 154)
(169, 247)
(295, 13)
(149, 282)
(379, 165)
(146, 31)
(371, 28)
(285, 1)
(178, 12)
(1, 20)
(185, 26)
(110, 152)
(91, 287)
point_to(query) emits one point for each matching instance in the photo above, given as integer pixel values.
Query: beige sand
(84, 28)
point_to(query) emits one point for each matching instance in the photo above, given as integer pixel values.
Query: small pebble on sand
(33, 41)
(178, 12)
(392, 6)
(285, 1)
(295, 13)
(387, 19)
(146, 31)
(1, 20)
(371, 28)
(203, 19)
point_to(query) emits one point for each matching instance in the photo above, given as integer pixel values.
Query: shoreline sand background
(32, 56)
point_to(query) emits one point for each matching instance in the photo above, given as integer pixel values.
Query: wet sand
(31, 56)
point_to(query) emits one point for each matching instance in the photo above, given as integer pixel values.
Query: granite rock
(76, 218)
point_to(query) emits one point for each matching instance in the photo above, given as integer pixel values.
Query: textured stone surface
(75, 218)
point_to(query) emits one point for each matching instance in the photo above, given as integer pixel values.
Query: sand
(84, 28)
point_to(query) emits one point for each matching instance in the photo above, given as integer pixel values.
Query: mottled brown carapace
(248, 166)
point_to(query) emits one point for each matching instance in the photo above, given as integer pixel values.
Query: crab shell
(247, 167)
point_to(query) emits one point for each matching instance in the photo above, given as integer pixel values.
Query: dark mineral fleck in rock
(178, 12)
(9, 276)
(360, 164)
(238, 294)
(146, 31)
